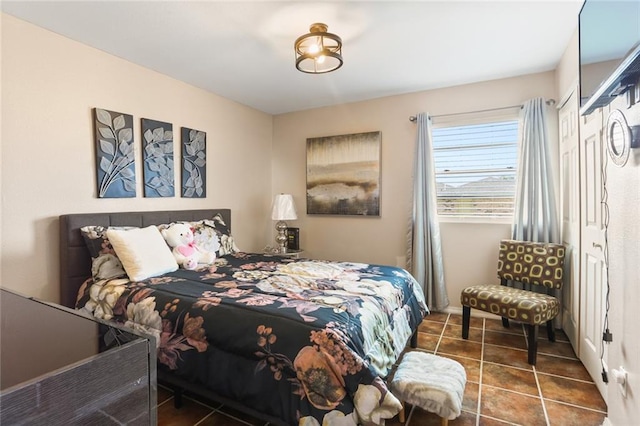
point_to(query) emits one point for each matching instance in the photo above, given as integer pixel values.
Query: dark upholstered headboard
(75, 261)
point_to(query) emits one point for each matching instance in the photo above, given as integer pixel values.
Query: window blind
(476, 169)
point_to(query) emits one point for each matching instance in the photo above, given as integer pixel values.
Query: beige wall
(49, 86)
(567, 69)
(469, 249)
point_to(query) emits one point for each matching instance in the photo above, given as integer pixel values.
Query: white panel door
(592, 277)
(570, 196)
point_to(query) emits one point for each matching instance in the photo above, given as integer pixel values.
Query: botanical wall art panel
(157, 154)
(114, 154)
(343, 174)
(194, 161)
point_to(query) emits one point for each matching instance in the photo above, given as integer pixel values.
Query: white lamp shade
(283, 208)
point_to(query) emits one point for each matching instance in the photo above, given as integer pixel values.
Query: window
(476, 168)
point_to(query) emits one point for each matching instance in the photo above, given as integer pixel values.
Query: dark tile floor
(502, 388)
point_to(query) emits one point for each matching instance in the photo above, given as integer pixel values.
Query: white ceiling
(243, 50)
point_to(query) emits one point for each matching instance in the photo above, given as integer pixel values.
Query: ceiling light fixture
(318, 51)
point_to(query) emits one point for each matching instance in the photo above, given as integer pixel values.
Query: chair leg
(505, 322)
(532, 339)
(444, 421)
(551, 332)
(466, 320)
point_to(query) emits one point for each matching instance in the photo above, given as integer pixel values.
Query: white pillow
(143, 252)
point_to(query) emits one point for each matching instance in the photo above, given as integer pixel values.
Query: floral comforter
(305, 341)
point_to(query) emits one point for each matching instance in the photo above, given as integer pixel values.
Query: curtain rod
(413, 118)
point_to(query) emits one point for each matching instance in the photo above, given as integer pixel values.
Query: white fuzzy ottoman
(431, 382)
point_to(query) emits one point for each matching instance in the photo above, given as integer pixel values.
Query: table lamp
(283, 209)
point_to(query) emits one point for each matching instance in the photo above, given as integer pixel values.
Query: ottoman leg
(444, 421)
(401, 414)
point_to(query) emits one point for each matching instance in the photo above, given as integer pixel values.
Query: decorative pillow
(142, 251)
(211, 234)
(105, 263)
(227, 243)
(95, 237)
(107, 266)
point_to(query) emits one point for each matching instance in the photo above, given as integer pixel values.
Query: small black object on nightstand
(293, 238)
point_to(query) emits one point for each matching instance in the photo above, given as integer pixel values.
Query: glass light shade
(318, 51)
(283, 208)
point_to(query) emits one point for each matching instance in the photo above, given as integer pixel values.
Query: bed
(290, 341)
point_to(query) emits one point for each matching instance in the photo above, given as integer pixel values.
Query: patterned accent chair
(532, 264)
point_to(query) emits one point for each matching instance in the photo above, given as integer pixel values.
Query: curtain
(535, 215)
(425, 249)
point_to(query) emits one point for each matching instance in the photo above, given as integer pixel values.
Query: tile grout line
(586, 382)
(164, 402)
(204, 404)
(410, 415)
(539, 353)
(444, 327)
(544, 407)
(204, 418)
(535, 376)
(528, 395)
(231, 416)
(595, 410)
(505, 422)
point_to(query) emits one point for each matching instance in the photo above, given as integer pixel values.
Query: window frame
(508, 114)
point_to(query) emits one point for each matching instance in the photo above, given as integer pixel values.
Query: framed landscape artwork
(343, 174)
